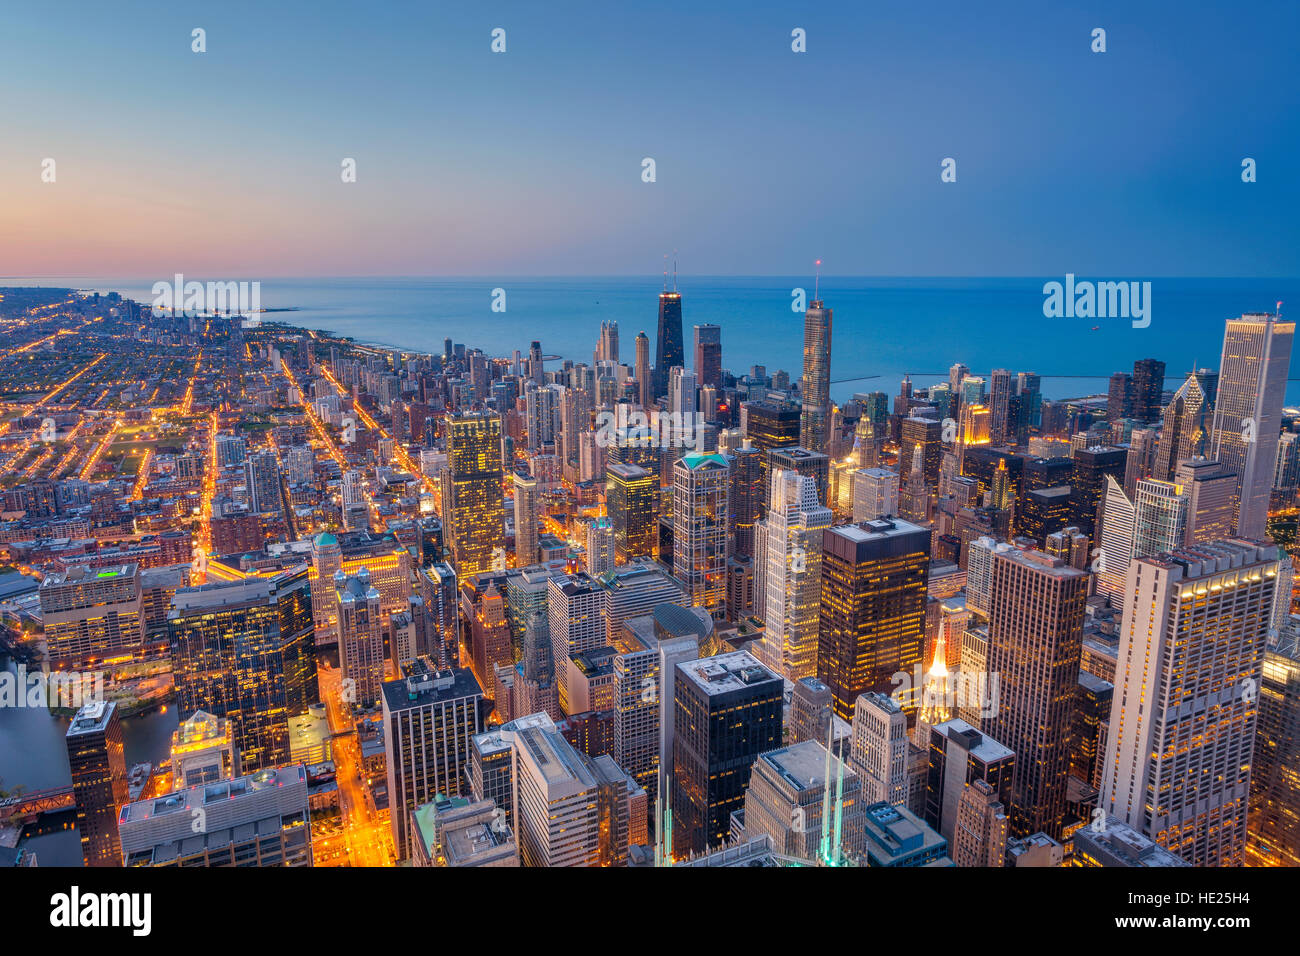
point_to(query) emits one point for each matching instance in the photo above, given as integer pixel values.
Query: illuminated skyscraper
(644, 379)
(1000, 426)
(727, 711)
(1247, 410)
(791, 566)
(430, 719)
(632, 500)
(527, 514)
(575, 609)
(700, 526)
(980, 835)
(262, 481)
(872, 622)
(1185, 702)
(361, 637)
(708, 355)
(671, 350)
(95, 757)
(1212, 499)
(746, 502)
(1274, 837)
(477, 525)
(1185, 424)
(1035, 641)
(816, 377)
(244, 650)
(1152, 521)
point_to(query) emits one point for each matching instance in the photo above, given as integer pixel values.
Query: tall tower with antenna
(816, 372)
(671, 350)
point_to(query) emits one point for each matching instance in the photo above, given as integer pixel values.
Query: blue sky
(1122, 164)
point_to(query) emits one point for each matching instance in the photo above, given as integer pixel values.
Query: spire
(817, 282)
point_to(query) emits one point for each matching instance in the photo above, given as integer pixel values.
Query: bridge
(35, 804)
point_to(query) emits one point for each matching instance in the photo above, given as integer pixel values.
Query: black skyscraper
(671, 350)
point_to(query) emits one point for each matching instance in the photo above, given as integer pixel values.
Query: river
(33, 756)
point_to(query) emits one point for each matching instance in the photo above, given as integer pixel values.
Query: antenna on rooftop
(817, 281)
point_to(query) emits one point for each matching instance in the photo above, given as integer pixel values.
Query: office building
(1247, 410)
(708, 355)
(1035, 641)
(872, 619)
(804, 798)
(92, 615)
(875, 494)
(261, 819)
(727, 710)
(98, 764)
(957, 756)
(632, 497)
(1274, 819)
(700, 525)
(816, 378)
(527, 516)
(361, 637)
(430, 719)
(980, 833)
(475, 521)
(670, 351)
(1190, 663)
(244, 651)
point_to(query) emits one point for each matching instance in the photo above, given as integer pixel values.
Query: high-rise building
(575, 612)
(791, 564)
(430, 719)
(557, 811)
(1035, 641)
(727, 710)
(803, 808)
(700, 526)
(872, 622)
(601, 553)
(92, 615)
(261, 819)
(1153, 520)
(607, 349)
(880, 751)
(1248, 408)
(959, 755)
(980, 834)
(644, 379)
(244, 650)
(1274, 835)
(813, 432)
(800, 460)
(670, 351)
(1148, 385)
(361, 637)
(1185, 425)
(708, 355)
(96, 759)
(632, 500)
(1190, 662)
(747, 497)
(926, 434)
(1001, 427)
(527, 515)
(477, 509)
(262, 481)
(875, 494)
(1088, 483)
(1212, 490)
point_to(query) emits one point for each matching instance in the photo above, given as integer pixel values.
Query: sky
(226, 164)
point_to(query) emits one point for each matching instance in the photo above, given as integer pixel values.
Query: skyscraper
(980, 835)
(708, 355)
(244, 650)
(1274, 838)
(557, 814)
(1185, 425)
(575, 609)
(671, 350)
(1183, 716)
(880, 748)
(632, 499)
(1247, 410)
(872, 622)
(477, 525)
(1152, 521)
(816, 377)
(875, 494)
(1035, 640)
(430, 719)
(262, 481)
(1000, 427)
(527, 514)
(1212, 499)
(727, 711)
(700, 525)
(96, 759)
(747, 497)
(644, 380)
(1148, 385)
(361, 637)
(791, 564)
